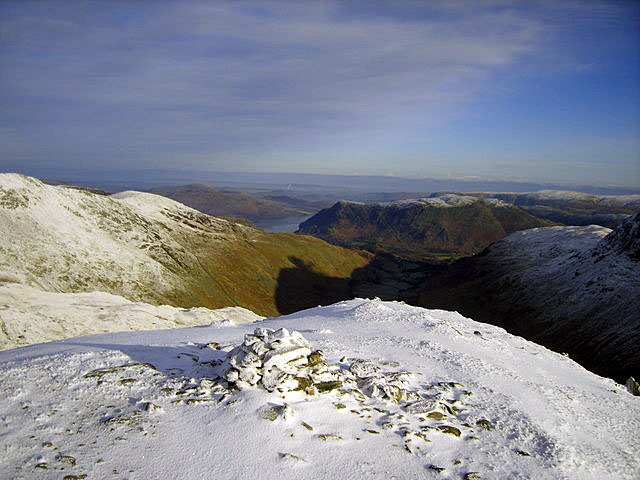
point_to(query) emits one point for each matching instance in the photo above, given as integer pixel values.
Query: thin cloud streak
(218, 79)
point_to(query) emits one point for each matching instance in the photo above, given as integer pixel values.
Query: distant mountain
(97, 191)
(145, 247)
(227, 203)
(446, 224)
(574, 208)
(572, 289)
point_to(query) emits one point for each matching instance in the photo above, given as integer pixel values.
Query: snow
(133, 244)
(29, 315)
(582, 281)
(153, 404)
(627, 201)
(444, 200)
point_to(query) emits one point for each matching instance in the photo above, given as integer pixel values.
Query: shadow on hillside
(386, 277)
(300, 287)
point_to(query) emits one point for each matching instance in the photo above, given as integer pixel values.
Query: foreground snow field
(476, 403)
(29, 315)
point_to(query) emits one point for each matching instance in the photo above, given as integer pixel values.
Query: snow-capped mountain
(574, 208)
(573, 289)
(149, 248)
(396, 392)
(444, 200)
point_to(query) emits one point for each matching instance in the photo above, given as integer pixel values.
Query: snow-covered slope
(65, 240)
(574, 289)
(424, 394)
(29, 315)
(152, 249)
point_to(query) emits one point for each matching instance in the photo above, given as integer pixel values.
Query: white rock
(364, 368)
(282, 356)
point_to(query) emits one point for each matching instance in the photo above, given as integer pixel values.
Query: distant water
(286, 224)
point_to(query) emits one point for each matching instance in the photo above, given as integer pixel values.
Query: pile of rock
(390, 387)
(283, 361)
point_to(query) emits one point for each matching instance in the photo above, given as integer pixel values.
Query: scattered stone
(324, 387)
(307, 426)
(436, 468)
(363, 368)
(74, 477)
(273, 412)
(328, 436)
(149, 407)
(484, 423)
(523, 453)
(371, 431)
(423, 406)
(291, 456)
(449, 429)
(472, 476)
(41, 465)
(66, 459)
(436, 415)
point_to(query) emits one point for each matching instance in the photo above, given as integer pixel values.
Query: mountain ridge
(573, 289)
(448, 224)
(149, 248)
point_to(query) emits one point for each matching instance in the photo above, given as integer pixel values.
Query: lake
(279, 225)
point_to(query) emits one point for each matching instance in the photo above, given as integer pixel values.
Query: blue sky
(543, 91)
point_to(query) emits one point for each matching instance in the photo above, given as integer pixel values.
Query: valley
(564, 287)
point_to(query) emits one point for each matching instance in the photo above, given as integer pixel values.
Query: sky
(525, 90)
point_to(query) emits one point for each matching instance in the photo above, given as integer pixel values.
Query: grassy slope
(272, 274)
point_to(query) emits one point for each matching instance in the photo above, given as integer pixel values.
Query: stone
(484, 423)
(324, 387)
(632, 386)
(364, 368)
(274, 412)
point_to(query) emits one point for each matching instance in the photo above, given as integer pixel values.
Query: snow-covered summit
(405, 393)
(576, 289)
(628, 201)
(59, 239)
(444, 200)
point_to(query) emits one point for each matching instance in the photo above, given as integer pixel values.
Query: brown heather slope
(148, 248)
(226, 203)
